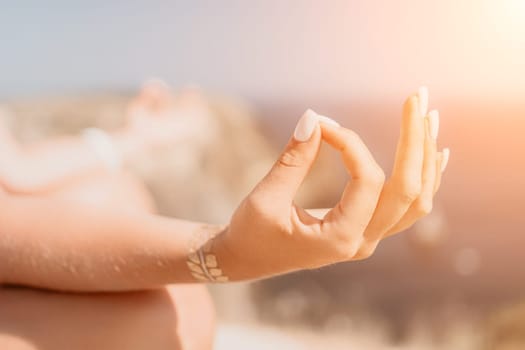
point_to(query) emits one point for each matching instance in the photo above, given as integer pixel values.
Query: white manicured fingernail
(433, 121)
(444, 161)
(422, 95)
(327, 120)
(306, 126)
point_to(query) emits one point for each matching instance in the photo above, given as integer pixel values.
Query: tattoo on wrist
(201, 261)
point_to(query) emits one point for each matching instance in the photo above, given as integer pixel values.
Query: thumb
(294, 163)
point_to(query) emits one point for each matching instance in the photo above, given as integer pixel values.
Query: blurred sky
(266, 49)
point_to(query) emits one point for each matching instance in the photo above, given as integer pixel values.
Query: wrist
(216, 256)
(208, 258)
(228, 255)
(239, 260)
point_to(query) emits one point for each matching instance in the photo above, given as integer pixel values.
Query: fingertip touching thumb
(294, 163)
(306, 126)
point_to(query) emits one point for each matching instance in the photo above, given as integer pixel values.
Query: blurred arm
(45, 166)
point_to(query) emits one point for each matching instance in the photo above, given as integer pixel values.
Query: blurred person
(84, 248)
(73, 169)
(184, 153)
(155, 118)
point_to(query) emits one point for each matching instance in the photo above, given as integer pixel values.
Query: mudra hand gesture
(95, 248)
(269, 234)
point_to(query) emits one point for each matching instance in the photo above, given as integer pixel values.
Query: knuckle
(350, 138)
(366, 250)
(347, 247)
(373, 176)
(291, 159)
(409, 190)
(351, 251)
(377, 176)
(408, 196)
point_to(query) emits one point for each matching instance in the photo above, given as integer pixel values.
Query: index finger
(360, 196)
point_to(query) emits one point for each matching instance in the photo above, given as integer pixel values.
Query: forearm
(80, 248)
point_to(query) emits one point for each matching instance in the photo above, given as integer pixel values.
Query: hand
(269, 234)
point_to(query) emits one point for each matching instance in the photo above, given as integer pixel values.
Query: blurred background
(454, 281)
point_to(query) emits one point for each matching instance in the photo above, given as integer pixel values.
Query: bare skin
(167, 318)
(171, 317)
(267, 235)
